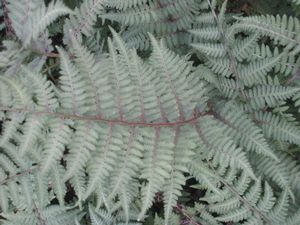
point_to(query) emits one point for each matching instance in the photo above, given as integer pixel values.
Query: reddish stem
(9, 29)
(192, 120)
(22, 173)
(180, 209)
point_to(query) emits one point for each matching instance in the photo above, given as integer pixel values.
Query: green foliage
(93, 131)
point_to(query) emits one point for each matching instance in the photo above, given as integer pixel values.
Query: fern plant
(96, 136)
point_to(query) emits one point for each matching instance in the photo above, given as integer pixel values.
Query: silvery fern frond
(31, 18)
(116, 129)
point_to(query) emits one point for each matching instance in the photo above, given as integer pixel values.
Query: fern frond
(204, 176)
(43, 90)
(58, 137)
(164, 19)
(58, 183)
(83, 19)
(99, 217)
(211, 50)
(127, 170)
(276, 171)
(242, 129)
(256, 71)
(56, 214)
(242, 49)
(268, 95)
(206, 33)
(103, 160)
(31, 130)
(11, 125)
(81, 152)
(20, 12)
(173, 84)
(74, 96)
(98, 92)
(157, 165)
(120, 127)
(122, 5)
(279, 128)
(42, 17)
(279, 211)
(217, 146)
(96, 219)
(21, 95)
(281, 29)
(174, 183)
(233, 207)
